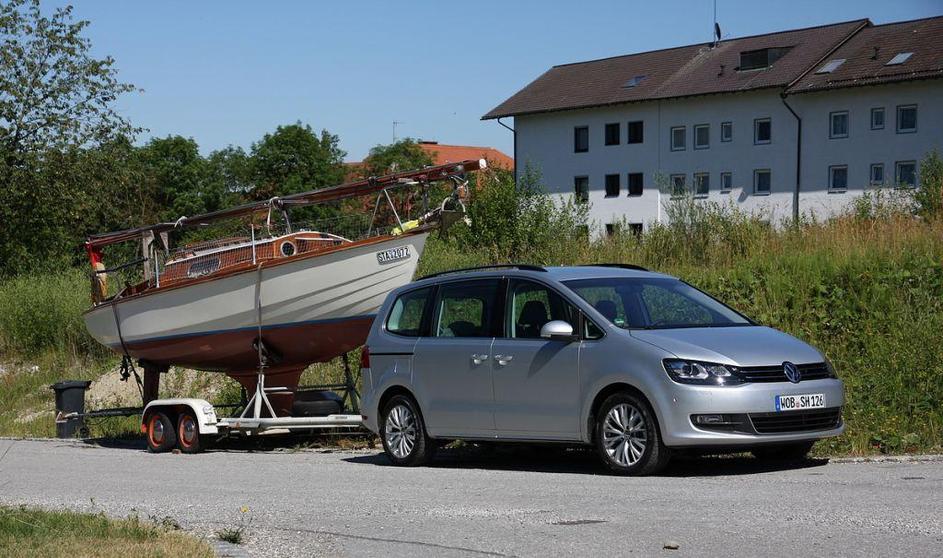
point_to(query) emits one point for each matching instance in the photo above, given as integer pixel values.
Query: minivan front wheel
(627, 436)
(403, 432)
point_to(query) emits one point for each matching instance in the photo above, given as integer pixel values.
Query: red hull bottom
(292, 348)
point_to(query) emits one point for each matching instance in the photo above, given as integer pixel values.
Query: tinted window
(635, 183)
(612, 185)
(406, 315)
(613, 134)
(654, 303)
(466, 309)
(636, 132)
(581, 139)
(531, 305)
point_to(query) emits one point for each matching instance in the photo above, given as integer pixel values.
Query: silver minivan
(633, 362)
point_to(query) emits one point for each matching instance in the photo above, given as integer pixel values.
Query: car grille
(796, 421)
(816, 371)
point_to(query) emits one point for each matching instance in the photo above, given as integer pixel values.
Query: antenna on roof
(716, 27)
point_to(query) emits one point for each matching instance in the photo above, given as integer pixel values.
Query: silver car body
(547, 390)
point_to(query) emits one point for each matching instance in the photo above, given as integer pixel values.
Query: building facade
(796, 122)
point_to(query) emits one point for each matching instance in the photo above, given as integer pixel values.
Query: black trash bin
(70, 398)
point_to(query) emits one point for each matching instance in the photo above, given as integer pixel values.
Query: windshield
(654, 303)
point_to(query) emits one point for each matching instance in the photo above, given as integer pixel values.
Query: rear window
(406, 315)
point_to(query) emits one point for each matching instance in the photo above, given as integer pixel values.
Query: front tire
(796, 451)
(403, 433)
(627, 437)
(188, 434)
(160, 433)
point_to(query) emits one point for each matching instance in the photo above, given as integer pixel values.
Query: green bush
(44, 311)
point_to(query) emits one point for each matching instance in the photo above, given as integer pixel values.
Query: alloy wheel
(625, 434)
(401, 431)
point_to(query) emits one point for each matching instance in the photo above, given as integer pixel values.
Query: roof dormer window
(830, 66)
(899, 58)
(762, 58)
(633, 82)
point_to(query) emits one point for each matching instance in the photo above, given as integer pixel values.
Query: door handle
(478, 359)
(503, 359)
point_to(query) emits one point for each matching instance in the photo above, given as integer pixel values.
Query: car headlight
(701, 373)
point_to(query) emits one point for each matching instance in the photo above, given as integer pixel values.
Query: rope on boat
(127, 363)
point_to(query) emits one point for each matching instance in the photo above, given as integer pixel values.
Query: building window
(613, 134)
(726, 181)
(877, 174)
(905, 173)
(877, 118)
(838, 124)
(838, 178)
(636, 131)
(612, 185)
(635, 229)
(581, 188)
(581, 139)
(678, 135)
(611, 229)
(762, 131)
(762, 58)
(702, 136)
(677, 185)
(762, 181)
(906, 119)
(726, 131)
(635, 183)
(702, 184)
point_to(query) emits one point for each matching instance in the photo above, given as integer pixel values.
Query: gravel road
(504, 502)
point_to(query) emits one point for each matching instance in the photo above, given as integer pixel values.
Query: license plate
(393, 255)
(800, 402)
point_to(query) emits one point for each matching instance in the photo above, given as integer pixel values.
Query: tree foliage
(294, 159)
(395, 157)
(53, 93)
(928, 197)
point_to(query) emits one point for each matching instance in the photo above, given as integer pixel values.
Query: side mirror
(558, 330)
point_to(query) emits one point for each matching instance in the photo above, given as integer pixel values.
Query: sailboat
(275, 301)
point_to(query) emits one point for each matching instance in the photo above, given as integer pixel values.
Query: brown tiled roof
(867, 53)
(442, 154)
(675, 72)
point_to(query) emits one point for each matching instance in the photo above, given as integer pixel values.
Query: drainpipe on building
(515, 148)
(795, 193)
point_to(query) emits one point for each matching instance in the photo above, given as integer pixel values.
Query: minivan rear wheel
(403, 433)
(627, 436)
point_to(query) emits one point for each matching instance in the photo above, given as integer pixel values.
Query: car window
(530, 306)
(406, 315)
(668, 307)
(465, 309)
(654, 303)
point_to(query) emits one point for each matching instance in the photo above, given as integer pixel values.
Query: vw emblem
(792, 372)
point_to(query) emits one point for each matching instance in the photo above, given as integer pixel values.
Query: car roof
(554, 273)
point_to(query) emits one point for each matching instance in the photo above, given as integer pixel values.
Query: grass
(26, 532)
(867, 291)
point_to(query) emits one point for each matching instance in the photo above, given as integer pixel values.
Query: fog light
(709, 419)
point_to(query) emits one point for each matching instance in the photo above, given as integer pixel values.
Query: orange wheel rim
(155, 431)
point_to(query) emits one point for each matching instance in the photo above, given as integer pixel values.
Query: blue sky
(228, 72)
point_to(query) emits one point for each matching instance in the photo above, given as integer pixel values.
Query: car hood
(740, 346)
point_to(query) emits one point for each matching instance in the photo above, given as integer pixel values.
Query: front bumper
(740, 403)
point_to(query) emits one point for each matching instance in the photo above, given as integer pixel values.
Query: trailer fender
(202, 410)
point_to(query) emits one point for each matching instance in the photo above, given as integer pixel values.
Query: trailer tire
(188, 433)
(161, 435)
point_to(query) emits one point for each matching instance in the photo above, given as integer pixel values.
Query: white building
(723, 120)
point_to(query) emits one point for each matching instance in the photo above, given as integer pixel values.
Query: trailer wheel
(188, 433)
(160, 433)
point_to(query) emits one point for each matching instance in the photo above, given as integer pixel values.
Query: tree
(928, 197)
(294, 159)
(399, 156)
(53, 93)
(176, 175)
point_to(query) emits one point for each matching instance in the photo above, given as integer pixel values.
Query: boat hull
(307, 309)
